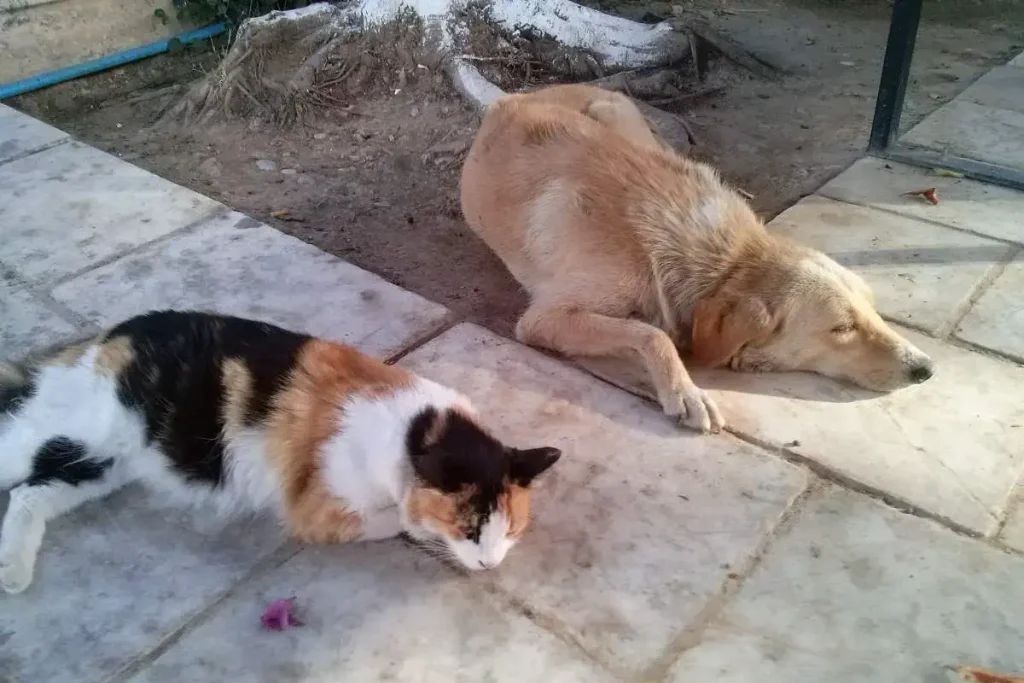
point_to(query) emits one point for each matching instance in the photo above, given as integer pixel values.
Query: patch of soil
(373, 178)
(376, 186)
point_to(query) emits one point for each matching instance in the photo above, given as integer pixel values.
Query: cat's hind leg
(64, 475)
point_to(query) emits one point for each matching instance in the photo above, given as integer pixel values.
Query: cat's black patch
(454, 454)
(17, 385)
(461, 457)
(66, 460)
(461, 454)
(176, 380)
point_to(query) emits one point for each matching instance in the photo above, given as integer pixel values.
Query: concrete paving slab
(114, 579)
(26, 324)
(72, 206)
(636, 528)
(974, 131)
(953, 446)
(1018, 60)
(860, 593)
(233, 264)
(997, 319)
(372, 612)
(1001, 88)
(921, 273)
(965, 204)
(1013, 532)
(20, 134)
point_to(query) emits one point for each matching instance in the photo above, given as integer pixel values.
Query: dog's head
(790, 308)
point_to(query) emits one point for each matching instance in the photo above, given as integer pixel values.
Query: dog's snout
(921, 371)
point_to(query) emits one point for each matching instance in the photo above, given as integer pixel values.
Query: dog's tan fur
(625, 247)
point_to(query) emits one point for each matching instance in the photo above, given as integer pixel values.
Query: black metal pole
(892, 88)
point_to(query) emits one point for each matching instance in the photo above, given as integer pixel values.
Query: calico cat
(250, 416)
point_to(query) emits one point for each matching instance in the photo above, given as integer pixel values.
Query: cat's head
(471, 493)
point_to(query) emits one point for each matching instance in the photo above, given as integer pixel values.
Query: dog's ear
(723, 325)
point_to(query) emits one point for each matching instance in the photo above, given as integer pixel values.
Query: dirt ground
(375, 181)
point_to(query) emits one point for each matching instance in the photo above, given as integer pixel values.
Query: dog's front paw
(15, 574)
(695, 409)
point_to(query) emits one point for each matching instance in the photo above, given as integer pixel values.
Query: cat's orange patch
(438, 510)
(70, 355)
(316, 516)
(515, 503)
(113, 356)
(304, 415)
(448, 513)
(237, 382)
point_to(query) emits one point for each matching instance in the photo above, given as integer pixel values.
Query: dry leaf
(927, 193)
(974, 675)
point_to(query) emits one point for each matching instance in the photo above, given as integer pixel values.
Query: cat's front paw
(15, 575)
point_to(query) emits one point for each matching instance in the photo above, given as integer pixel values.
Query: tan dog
(628, 248)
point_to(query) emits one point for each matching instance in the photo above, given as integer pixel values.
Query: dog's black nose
(921, 372)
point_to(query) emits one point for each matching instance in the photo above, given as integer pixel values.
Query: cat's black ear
(525, 466)
(424, 432)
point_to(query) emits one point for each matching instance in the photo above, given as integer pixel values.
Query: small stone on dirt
(319, 136)
(455, 147)
(289, 171)
(266, 165)
(414, 112)
(210, 167)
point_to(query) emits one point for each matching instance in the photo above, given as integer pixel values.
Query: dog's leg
(577, 332)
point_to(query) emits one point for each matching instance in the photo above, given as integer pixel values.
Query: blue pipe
(133, 54)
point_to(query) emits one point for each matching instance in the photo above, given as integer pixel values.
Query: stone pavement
(833, 536)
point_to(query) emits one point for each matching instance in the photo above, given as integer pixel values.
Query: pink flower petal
(278, 615)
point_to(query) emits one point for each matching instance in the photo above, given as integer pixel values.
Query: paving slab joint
(286, 551)
(915, 218)
(218, 210)
(955, 341)
(37, 150)
(977, 291)
(1013, 504)
(85, 327)
(445, 323)
(551, 623)
(848, 482)
(693, 634)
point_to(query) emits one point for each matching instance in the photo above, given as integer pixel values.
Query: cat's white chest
(365, 479)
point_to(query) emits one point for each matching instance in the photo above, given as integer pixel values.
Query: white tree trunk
(616, 43)
(608, 43)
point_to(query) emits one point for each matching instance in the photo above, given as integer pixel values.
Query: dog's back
(561, 196)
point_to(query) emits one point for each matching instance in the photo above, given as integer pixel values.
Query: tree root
(286, 65)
